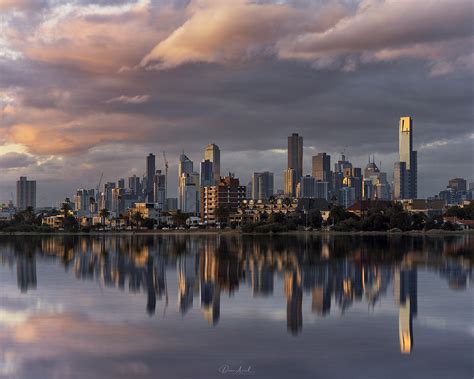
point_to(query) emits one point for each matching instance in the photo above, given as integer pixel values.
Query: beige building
(228, 194)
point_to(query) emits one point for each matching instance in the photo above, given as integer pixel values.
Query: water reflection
(336, 272)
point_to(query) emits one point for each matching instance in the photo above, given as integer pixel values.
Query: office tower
(307, 186)
(409, 157)
(212, 153)
(159, 189)
(262, 185)
(289, 182)
(342, 164)
(121, 183)
(25, 193)
(458, 184)
(249, 190)
(196, 179)
(321, 168)
(135, 185)
(207, 173)
(150, 176)
(400, 183)
(187, 194)
(108, 187)
(228, 194)
(171, 204)
(295, 155)
(82, 202)
(368, 189)
(185, 169)
(347, 196)
(321, 190)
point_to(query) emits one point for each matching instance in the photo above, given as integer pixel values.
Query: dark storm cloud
(67, 100)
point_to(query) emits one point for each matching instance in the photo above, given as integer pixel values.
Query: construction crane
(97, 194)
(166, 174)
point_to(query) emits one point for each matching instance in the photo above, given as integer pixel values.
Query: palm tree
(136, 219)
(104, 213)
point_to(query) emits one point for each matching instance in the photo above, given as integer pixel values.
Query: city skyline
(67, 118)
(346, 184)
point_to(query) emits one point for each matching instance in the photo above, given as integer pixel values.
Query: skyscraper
(185, 169)
(289, 182)
(159, 189)
(213, 154)
(307, 187)
(321, 169)
(207, 173)
(262, 185)
(458, 184)
(25, 193)
(295, 155)
(150, 177)
(135, 185)
(409, 157)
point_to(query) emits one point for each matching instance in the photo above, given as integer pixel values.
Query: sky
(90, 87)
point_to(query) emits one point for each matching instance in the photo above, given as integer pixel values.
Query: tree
(315, 219)
(418, 221)
(400, 220)
(179, 218)
(103, 213)
(338, 214)
(137, 219)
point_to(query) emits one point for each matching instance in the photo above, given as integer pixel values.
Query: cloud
(331, 35)
(14, 160)
(137, 99)
(219, 31)
(242, 74)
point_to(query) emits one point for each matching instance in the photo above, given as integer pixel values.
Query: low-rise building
(146, 210)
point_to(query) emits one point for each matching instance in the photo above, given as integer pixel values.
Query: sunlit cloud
(137, 99)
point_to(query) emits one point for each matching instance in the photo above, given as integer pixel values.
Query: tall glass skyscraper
(212, 153)
(406, 175)
(150, 178)
(295, 154)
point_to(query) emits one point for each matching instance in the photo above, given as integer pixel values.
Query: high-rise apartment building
(408, 188)
(212, 153)
(150, 177)
(262, 185)
(25, 193)
(228, 194)
(295, 155)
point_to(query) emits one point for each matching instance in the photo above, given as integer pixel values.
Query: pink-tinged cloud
(225, 31)
(93, 39)
(137, 99)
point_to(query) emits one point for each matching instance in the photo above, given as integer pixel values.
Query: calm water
(202, 306)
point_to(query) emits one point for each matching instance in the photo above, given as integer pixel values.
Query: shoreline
(432, 232)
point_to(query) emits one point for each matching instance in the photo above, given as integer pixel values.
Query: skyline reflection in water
(302, 277)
